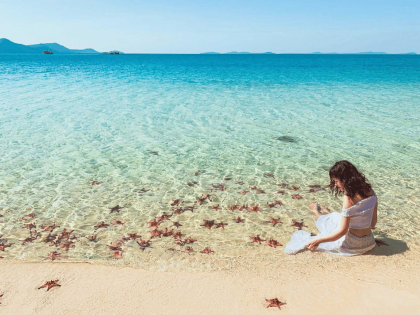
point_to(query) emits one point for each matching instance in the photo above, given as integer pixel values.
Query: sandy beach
(386, 281)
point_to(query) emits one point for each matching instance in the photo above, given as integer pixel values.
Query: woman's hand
(313, 245)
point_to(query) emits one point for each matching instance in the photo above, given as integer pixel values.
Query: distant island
(236, 53)
(314, 53)
(9, 47)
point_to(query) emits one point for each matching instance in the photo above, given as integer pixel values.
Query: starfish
(49, 228)
(271, 205)
(30, 226)
(283, 185)
(208, 223)
(273, 243)
(274, 303)
(154, 153)
(297, 196)
(117, 222)
(28, 216)
(220, 187)
(143, 190)
(189, 240)
(154, 233)
(269, 175)
(50, 284)
(124, 239)
(239, 220)
(34, 234)
(180, 242)
(279, 192)
(177, 235)
(4, 246)
(233, 207)
(379, 243)
(253, 187)
(154, 223)
(207, 250)
(299, 225)
(176, 202)
(192, 184)
(54, 255)
(260, 191)
(101, 225)
(178, 210)
(118, 254)
(166, 232)
(143, 244)
(214, 207)
(257, 239)
(117, 209)
(277, 203)
(240, 183)
(274, 221)
(200, 200)
(221, 224)
(294, 187)
(133, 236)
(227, 178)
(164, 217)
(188, 250)
(244, 192)
(95, 183)
(66, 246)
(199, 173)
(255, 208)
(50, 238)
(92, 238)
(115, 246)
(312, 190)
(27, 240)
(176, 224)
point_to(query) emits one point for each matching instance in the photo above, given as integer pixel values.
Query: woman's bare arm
(374, 216)
(344, 227)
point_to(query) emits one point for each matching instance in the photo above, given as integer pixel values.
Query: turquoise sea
(153, 121)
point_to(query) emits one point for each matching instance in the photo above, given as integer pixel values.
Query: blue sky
(194, 26)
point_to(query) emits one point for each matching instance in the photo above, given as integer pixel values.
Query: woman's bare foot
(314, 207)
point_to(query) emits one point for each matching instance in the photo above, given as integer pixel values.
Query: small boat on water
(111, 53)
(47, 52)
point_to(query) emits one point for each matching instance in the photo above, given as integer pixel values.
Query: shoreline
(310, 283)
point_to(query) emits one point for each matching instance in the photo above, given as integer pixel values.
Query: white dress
(360, 217)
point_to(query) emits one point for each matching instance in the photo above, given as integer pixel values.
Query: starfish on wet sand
(278, 203)
(28, 216)
(54, 256)
(207, 250)
(299, 225)
(208, 223)
(189, 240)
(221, 224)
(50, 238)
(166, 232)
(239, 220)
(117, 209)
(214, 207)
(200, 200)
(117, 222)
(154, 223)
(163, 217)
(95, 182)
(176, 202)
(257, 239)
(274, 303)
(30, 226)
(49, 228)
(273, 243)
(143, 244)
(118, 254)
(101, 225)
(115, 246)
(294, 187)
(133, 236)
(176, 224)
(178, 210)
(379, 243)
(66, 245)
(233, 207)
(255, 208)
(274, 221)
(155, 233)
(4, 246)
(192, 184)
(244, 192)
(177, 235)
(297, 196)
(92, 238)
(50, 284)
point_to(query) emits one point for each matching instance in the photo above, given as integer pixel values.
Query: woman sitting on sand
(348, 233)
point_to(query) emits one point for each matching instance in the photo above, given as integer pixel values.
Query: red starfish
(244, 192)
(117, 209)
(28, 216)
(294, 187)
(164, 217)
(220, 187)
(176, 202)
(227, 178)
(50, 284)
(115, 246)
(66, 246)
(154, 223)
(273, 243)
(274, 221)
(239, 220)
(167, 232)
(27, 240)
(208, 223)
(143, 190)
(101, 225)
(199, 173)
(118, 254)
(253, 187)
(299, 225)
(123, 239)
(221, 224)
(189, 240)
(279, 192)
(54, 255)
(277, 203)
(297, 196)
(200, 200)
(214, 207)
(176, 224)
(4, 246)
(117, 222)
(257, 239)
(133, 236)
(95, 183)
(49, 228)
(233, 207)
(379, 243)
(178, 210)
(143, 244)
(271, 205)
(154, 233)
(192, 184)
(177, 235)
(207, 250)
(30, 226)
(274, 303)
(92, 238)
(255, 208)
(260, 191)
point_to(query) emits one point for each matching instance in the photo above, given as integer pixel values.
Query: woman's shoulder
(349, 202)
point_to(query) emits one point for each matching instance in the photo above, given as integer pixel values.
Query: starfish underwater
(28, 216)
(274, 221)
(255, 208)
(239, 220)
(191, 184)
(92, 238)
(164, 217)
(101, 225)
(117, 222)
(208, 223)
(54, 255)
(176, 224)
(221, 224)
(214, 207)
(274, 303)
(50, 284)
(294, 187)
(207, 250)
(279, 192)
(299, 225)
(273, 243)
(143, 244)
(167, 232)
(117, 209)
(154, 223)
(154, 233)
(244, 192)
(143, 190)
(176, 202)
(133, 236)
(297, 196)
(95, 182)
(4, 246)
(257, 239)
(269, 175)
(118, 254)
(49, 228)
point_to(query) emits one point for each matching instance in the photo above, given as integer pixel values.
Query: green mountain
(9, 47)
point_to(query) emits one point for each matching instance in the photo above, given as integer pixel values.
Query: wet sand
(385, 282)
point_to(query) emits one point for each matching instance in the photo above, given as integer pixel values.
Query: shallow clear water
(66, 121)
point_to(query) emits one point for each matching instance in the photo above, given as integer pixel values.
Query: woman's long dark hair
(354, 182)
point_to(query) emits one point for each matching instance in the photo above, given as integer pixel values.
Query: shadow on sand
(395, 246)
